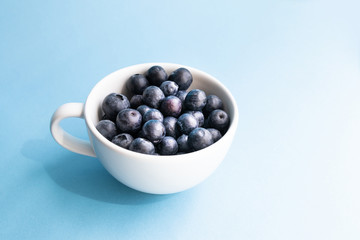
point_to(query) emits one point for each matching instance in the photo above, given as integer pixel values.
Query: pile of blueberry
(162, 117)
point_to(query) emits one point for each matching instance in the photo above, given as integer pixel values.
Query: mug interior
(116, 82)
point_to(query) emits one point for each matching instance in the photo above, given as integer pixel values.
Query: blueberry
(113, 104)
(171, 106)
(136, 101)
(213, 102)
(154, 131)
(107, 128)
(199, 117)
(183, 145)
(195, 100)
(182, 77)
(186, 123)
(123, 140)
(170, 127)
(216, 134)
(156, 75)
(168, 146)
(152, 96)
(129, 121)
(143, 109)
(169, 88)
(181, 95)
(219, 120)
(200, 138)
(153, 114)
(142, 145)
(137, 83)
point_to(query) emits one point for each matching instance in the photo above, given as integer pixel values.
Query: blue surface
(292, 171)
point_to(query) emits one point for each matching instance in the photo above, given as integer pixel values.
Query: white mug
(147, 173)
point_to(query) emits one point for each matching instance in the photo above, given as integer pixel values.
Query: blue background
(292, 171)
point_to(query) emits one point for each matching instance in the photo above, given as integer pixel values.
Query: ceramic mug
(147, 173)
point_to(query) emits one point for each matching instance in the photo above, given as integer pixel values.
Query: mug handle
(63, 138)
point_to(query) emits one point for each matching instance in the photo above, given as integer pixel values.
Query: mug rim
(131, 154)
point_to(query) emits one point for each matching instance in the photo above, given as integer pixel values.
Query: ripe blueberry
(183, 144)
(168, 146)
(213, 102)
(200, 138)
(136, 101)
(107, 128)
(113, 104)
(169, 88)
(142, 145)
(181, 95)
(152, 96)
(123, 140)
(170, 127)
(153, 114)
(216, 134)
(195, 100)
(154, 131)
(137, 83)
(156, 75)
(182, 77)
(171, 106)
(219, 120)
(199, 117)
(143, 109)
(186, 123)
(129, 121)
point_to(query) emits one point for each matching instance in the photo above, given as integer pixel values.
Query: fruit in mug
(170, 127)
(142, 145)
(182, 77)
(156, 75)
(143, 109)
(152, 96)
(195, 100)
(136, 101)
(169, 88)
(216, 134)
(168, 146)
(183, 143)
(171, 106)
(200, 138)
(154, 131)
(168, 120)
(129, 121)
(213, 102)
(153, 114)
(107, 128)
(113, 104)
(123, 140)
(137, 83)
(181, 95)
(186, 123)
(199, 117)
(219, 120)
